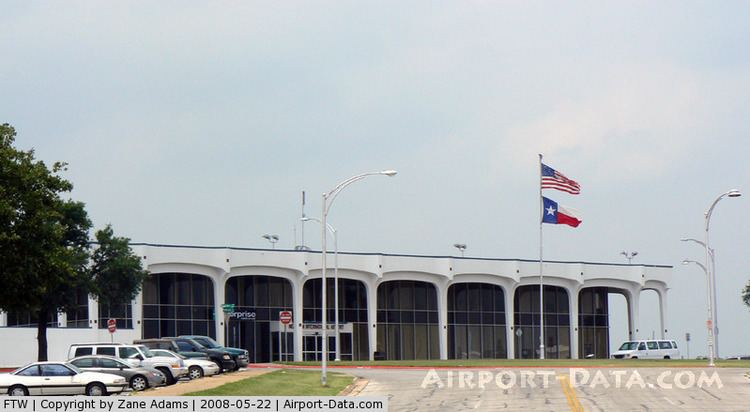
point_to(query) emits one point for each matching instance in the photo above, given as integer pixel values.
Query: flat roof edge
(395, 255)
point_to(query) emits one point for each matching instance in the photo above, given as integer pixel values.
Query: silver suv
(135, 355)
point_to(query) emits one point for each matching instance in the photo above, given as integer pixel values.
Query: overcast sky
(201, 122)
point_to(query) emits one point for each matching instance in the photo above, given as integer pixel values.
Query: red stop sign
(112, 325)
(285, 317)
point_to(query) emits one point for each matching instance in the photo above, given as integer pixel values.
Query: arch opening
(476, 321)
(407, 326)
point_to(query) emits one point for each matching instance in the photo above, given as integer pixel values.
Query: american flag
(552, 179)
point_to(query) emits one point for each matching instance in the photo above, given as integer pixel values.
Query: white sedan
(59, 378)
(197, 368)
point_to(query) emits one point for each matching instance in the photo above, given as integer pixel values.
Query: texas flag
(559, 215)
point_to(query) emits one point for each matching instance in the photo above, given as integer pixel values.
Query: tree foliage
(44, 242)
(116, 271)
(746, 294)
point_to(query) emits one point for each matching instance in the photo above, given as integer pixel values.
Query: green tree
(44, 244)
(746, 294)
(117, 275)
(43, 238)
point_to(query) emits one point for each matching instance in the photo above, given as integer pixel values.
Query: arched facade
(395, 306)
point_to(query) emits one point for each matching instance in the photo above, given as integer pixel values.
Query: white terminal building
(390, 306)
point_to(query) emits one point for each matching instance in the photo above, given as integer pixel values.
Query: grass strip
(282, 383)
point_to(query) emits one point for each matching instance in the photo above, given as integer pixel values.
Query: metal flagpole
(541, 275)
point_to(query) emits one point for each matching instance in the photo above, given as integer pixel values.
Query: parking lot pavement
(519, 389)
(186, 386)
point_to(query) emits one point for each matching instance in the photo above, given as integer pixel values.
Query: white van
(648, 349)
(135, 355)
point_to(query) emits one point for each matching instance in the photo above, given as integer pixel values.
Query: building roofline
(395, 255)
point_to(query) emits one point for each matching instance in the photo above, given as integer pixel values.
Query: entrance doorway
(312, 342)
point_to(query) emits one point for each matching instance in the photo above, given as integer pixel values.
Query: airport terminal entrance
(312, 342)
(254, 324)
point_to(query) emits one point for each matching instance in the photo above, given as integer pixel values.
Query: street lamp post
(629, 255)
(335, 282)
(712, 275)
(271, 238)
(713, 270)
(461, 247)
(710, 310)
(328, 199)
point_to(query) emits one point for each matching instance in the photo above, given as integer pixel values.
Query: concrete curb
(355, 388)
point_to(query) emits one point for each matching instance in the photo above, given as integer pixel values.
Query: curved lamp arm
(331, 195)
(731, 193)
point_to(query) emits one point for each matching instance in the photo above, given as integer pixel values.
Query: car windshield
(73, 367)
(196, 344)
(147, 353)
(629, 346)
(208, 342)
(168, 353)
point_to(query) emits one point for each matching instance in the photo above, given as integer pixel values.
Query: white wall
(18, 346)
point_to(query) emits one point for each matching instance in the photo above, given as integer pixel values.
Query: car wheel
(18, 390)
(633, 357)
(167, 374)
(195, 372)
(667, 357)
(96, 389)
(138, 383)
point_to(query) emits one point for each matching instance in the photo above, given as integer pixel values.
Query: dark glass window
(593, 322)
(122, 314)
(407, 320)
(527, 322)
(84, 363)
(173, 303)
(26, 319)
(78, 317)
(109, 351)
(82, 352)
(475, 328)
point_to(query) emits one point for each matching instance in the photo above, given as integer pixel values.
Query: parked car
(135, 355)
(138, 377)
(648, 349)
(171, 345)
(222, 357)
(59, 378)
(240, 356)
(197, 368)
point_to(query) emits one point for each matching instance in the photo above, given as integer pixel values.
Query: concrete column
(663, 313)
(297, 315)
(442, 301)
(573, 299)
(510, 331)
(633, 297)
(62, 320)
(372, 317)
(219, 296)
(137, 312)
(3, 318)
(94, 313)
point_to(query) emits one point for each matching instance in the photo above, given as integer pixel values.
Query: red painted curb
(276, 366)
